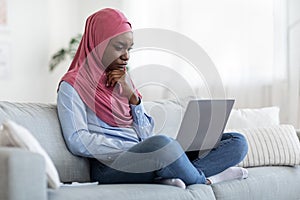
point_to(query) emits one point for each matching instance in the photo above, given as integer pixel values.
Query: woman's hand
(119, 76)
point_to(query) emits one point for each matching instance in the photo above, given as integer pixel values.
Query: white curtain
(293, 64)
(254, 45)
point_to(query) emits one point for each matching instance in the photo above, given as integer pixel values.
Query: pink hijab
(87, 73)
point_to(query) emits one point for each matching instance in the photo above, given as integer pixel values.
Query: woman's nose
(125, 56)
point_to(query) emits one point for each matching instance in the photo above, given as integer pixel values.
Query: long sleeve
(85, 134)
(143, 124)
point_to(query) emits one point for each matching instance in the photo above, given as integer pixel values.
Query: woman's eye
(118, 48)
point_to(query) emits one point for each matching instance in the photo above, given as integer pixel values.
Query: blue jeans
(188, 167)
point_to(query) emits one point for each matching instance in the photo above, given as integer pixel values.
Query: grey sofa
(22, 173)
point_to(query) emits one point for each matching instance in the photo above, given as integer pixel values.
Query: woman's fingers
(112, 79)
(120, 76)
(114, 76)
(115, 79)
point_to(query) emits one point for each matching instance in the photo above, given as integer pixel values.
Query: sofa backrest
(42, 121)
(167, 115)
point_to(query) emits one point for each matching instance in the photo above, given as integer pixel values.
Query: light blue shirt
(88, 136)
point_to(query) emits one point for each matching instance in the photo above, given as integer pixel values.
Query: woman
(103, 118)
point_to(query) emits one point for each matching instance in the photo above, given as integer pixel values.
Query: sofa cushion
(253, 117)
(15, 135)
(273, 145)
(132, 192)
(42, 121)
(267, 183)
(167, 115)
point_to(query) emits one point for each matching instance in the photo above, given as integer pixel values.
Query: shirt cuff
(137, 111)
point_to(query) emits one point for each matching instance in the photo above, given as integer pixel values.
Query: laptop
(203, 124)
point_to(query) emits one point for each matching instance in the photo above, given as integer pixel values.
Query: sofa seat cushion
(268, 183)
(132, 192)
(42, 121)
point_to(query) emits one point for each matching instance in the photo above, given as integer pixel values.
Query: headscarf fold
(87, 73)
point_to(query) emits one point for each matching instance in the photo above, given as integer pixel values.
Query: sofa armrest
(22, 175)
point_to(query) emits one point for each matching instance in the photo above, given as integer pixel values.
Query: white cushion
(254, 117)
(167, 115)
(273, 145)
(15, 135)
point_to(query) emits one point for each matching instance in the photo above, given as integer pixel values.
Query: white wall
(27, 36)
(37, 29)
(237, 35)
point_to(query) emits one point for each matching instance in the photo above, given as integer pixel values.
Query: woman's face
(116, 54)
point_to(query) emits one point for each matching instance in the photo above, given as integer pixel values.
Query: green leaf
(61, 55)
(57, 58)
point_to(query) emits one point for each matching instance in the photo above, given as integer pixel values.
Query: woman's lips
(114, 67)
(117, 65)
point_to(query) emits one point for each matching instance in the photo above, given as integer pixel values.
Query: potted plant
(63, 53)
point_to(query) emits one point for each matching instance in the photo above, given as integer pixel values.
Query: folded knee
(159, 140)
(153, 143)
